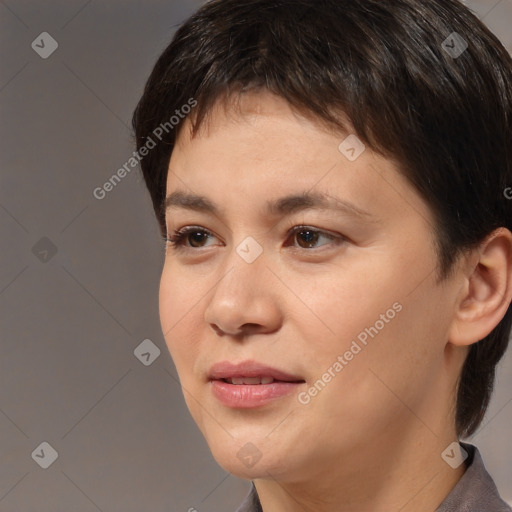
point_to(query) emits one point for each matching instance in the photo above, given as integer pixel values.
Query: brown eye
(189, 237)
(307, 237)
(196, 238)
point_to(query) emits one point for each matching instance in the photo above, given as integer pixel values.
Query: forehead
(258, 147)
(247, 106)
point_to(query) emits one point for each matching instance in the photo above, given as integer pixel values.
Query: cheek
(374, 379)
(373, 321)
(343, 306)
(176, 308)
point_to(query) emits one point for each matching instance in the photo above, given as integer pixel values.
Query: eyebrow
(283, 206)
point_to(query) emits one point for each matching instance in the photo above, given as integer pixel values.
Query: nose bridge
(244, 259)
(244, 272)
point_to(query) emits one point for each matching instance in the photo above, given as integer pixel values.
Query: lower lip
(245, 396)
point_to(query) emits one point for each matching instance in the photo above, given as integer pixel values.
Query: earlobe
(487, 292)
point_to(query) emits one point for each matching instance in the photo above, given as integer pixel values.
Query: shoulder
(476, 490)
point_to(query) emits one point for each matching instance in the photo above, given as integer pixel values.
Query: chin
(241, 457)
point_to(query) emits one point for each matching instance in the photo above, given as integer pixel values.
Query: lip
(244, 396)
(227, 370)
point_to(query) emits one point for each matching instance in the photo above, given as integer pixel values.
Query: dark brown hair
(394, 70)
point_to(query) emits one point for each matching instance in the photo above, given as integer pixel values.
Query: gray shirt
(474, 492)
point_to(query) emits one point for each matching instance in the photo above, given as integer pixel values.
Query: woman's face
(347, 307)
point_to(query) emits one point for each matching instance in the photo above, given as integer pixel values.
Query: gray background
(70, 321)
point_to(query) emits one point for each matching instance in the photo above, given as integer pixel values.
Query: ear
(487, 290)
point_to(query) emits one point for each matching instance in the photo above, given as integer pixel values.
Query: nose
(245, 299)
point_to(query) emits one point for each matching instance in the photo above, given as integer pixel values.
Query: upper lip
(227, 370)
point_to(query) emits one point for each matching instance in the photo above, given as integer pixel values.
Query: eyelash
(179, 237)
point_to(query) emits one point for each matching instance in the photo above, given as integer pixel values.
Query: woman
(330, 178)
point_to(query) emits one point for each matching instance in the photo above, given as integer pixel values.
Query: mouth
(251, 381)
(250, 373)
(250, 384)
